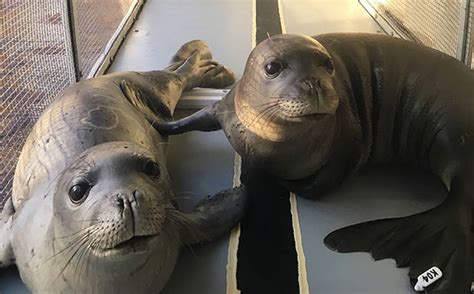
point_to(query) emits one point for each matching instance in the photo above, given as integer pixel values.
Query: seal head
(118, 191)
(293, 71)
(111, 211)
(285, 96)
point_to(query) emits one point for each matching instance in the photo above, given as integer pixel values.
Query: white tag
(427, 278)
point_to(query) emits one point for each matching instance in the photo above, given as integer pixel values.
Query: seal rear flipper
(438, 237)
(215, 215)
(204, 120)
(6, 252)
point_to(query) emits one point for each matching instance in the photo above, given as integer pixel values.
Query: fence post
(72, 36)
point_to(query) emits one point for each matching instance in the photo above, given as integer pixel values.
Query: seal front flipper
(215, 215)
(438, 237)
(6, 252)
(204, 120)
(149, 107)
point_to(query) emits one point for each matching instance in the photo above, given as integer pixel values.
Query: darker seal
(309, 112)
(92, 207)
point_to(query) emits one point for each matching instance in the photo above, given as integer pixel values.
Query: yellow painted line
(282, 19)
(302, 273)
(233, 240)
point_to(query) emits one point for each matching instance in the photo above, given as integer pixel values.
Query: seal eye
(152, 169)
(273, 69)
(329, 65)
(78, 192)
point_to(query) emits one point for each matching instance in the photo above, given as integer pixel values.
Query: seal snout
(137, 215)
(129, 205)
(310, 96)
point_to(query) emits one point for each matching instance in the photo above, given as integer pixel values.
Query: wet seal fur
(92, 209)
(310, 111)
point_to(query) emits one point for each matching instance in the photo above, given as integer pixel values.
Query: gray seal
(92, 208)
(311, 111)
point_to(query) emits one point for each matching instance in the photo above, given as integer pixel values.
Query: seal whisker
(261, 115)
(273, 101)
(80, 262)
(270, 116)
(81, 221)
(73, 234)
(169, 228)
(257, 106)
(180, 220)
(173, 216)
(177, 218)
(88, 250)
(70, 244)
(71, 258)
(73, 242)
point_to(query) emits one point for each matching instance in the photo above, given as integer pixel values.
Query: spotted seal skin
(92, 209)
(310, 111)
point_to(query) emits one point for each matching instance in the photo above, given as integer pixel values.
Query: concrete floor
(203, 163)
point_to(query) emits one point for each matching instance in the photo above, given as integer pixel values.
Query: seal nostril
(318, 83)
(135, 195)
(119, 202)
(310, 86)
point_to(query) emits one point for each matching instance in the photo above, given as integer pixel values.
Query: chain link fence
(445, 25)
(43, 48)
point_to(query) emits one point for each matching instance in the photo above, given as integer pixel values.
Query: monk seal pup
(312, 111)
(92, 207)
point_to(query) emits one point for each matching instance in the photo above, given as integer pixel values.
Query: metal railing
(46, 46)
(446, 25)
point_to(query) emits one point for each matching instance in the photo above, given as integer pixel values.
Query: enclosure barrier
(49, 44)
(445, 25)
(46, 46)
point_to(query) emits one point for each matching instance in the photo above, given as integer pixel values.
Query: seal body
(92, 209)
(309, 112)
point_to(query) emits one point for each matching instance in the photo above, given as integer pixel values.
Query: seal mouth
(313, 115)
(135, 241)
(136, 244)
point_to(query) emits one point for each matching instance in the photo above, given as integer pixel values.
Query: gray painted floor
(314, 17)
(164, 25)
(374, 194)
(201, 163)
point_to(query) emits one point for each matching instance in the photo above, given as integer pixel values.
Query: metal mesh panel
(37, 62)
(470, 41)
(36, 65)
(95, 23)
(435, 23)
